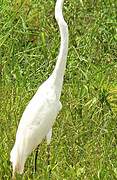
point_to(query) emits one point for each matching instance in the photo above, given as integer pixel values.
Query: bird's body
(38, 118)
(35, 124)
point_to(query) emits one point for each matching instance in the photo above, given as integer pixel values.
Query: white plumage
(38, 118)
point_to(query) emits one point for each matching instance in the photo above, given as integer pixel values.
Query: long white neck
(59, 70)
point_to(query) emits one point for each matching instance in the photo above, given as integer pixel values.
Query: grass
(84, 139)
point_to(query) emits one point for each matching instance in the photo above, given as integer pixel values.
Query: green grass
(84, 139)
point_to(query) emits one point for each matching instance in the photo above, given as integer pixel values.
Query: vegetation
(84, 139)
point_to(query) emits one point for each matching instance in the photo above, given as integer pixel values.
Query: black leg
(48, 154)
(48, 160)
(35, 163)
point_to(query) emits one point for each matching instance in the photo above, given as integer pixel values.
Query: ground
(84, 139)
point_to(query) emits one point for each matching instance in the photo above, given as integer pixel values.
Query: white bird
(40, 114)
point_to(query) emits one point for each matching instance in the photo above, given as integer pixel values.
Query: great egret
(39, 116)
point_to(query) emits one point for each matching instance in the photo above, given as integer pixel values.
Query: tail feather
(17, 164)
